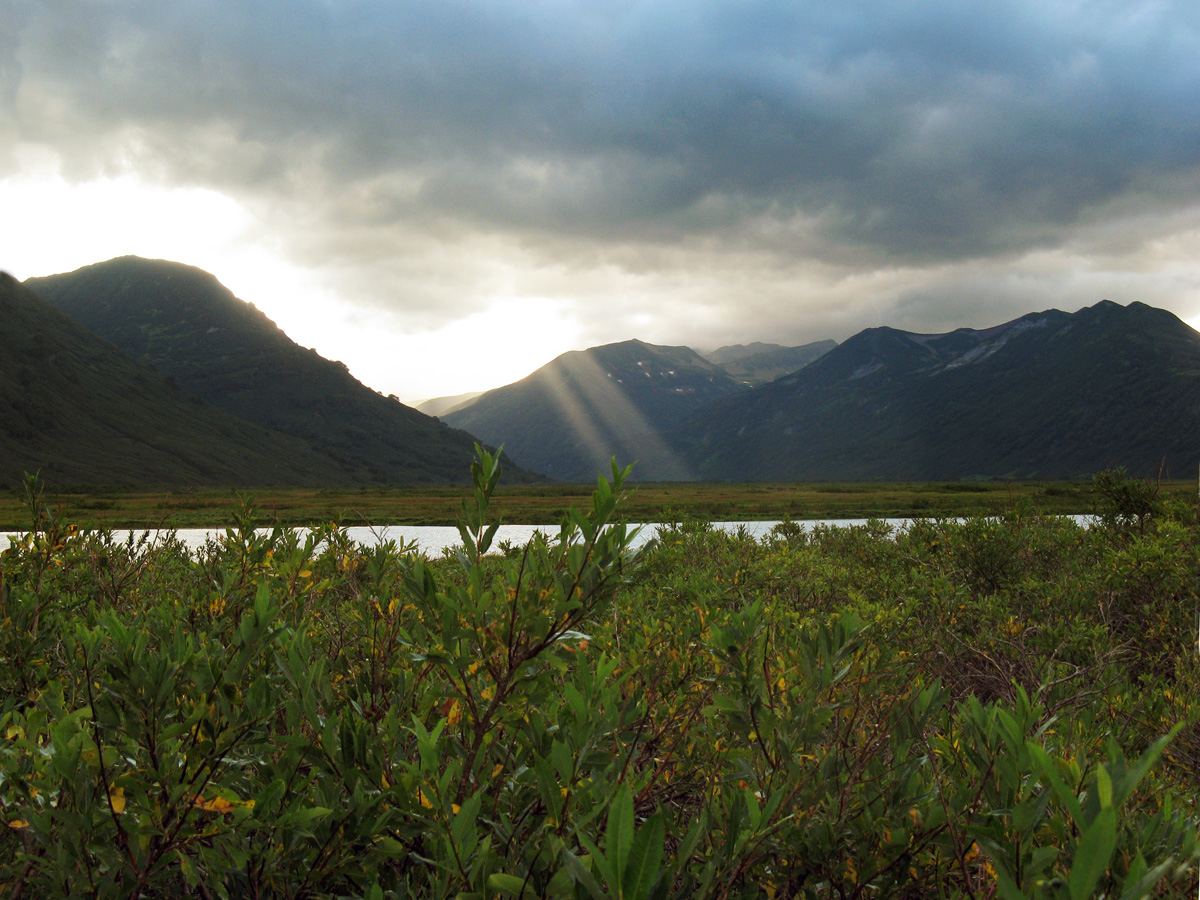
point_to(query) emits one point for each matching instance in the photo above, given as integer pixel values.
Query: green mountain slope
(82, 413)
(1049, 395)
(182, 321)
(572, 415)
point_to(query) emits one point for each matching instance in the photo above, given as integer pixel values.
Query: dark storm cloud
(860, 134)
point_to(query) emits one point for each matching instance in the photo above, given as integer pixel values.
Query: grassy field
(547, 503)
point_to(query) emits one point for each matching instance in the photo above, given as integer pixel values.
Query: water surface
(434, 539)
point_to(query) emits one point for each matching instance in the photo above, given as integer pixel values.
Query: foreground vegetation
(539, 504)
(1003, 707)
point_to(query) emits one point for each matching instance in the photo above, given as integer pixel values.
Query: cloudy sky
(446, 194)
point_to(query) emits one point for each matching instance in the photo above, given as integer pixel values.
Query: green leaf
(1065, 796)
(488, 537)
(1041, 859)
(620, 835)
(644, 859)
(1008, 890)
(509, 884)
(1127, 784)
(390, 847)
(1104, 787)
(582, 876)
(1137, 869)
(1092, 854)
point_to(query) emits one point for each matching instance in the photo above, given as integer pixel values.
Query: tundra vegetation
(996, 707)
(542, 503)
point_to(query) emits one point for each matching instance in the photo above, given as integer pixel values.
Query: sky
(447, 194)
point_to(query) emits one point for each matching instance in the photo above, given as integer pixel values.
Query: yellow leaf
(425, 801)
(14, 732)
(306, 573)
(220, 804)
(18, 823)
(116, 799)
(454, 808)
(215, 804)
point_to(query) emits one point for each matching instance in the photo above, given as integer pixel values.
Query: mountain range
(1048, 395)
(144, 372)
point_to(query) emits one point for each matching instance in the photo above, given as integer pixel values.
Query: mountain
(80, 412)
(572, 415)
(439, 406)
(733, 352)
(182, 321)
(757, 363)
(1049, 395)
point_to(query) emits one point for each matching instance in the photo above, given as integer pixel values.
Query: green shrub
(961, 709)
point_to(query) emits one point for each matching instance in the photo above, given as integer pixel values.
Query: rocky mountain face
(193, 330)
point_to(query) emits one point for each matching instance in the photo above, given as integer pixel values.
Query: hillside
(1049, 395)
(572, 415)
(755, 364)
(439, 406)
(78, 411)
(182, 321)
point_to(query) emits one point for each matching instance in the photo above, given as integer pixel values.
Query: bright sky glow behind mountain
(446, 196)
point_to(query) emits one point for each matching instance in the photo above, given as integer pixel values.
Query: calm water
(433, 539)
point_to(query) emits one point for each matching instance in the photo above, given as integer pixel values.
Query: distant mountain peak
(573, 414)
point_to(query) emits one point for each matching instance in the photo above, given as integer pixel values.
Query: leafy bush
(956, 710)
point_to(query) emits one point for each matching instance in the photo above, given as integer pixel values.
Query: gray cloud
(388, 142)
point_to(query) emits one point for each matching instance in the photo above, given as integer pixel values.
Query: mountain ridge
(185, 323)
(1047, 395)
(757, 363)
(570, 416)
(77, 411)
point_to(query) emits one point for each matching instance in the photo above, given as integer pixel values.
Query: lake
(433, 539)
